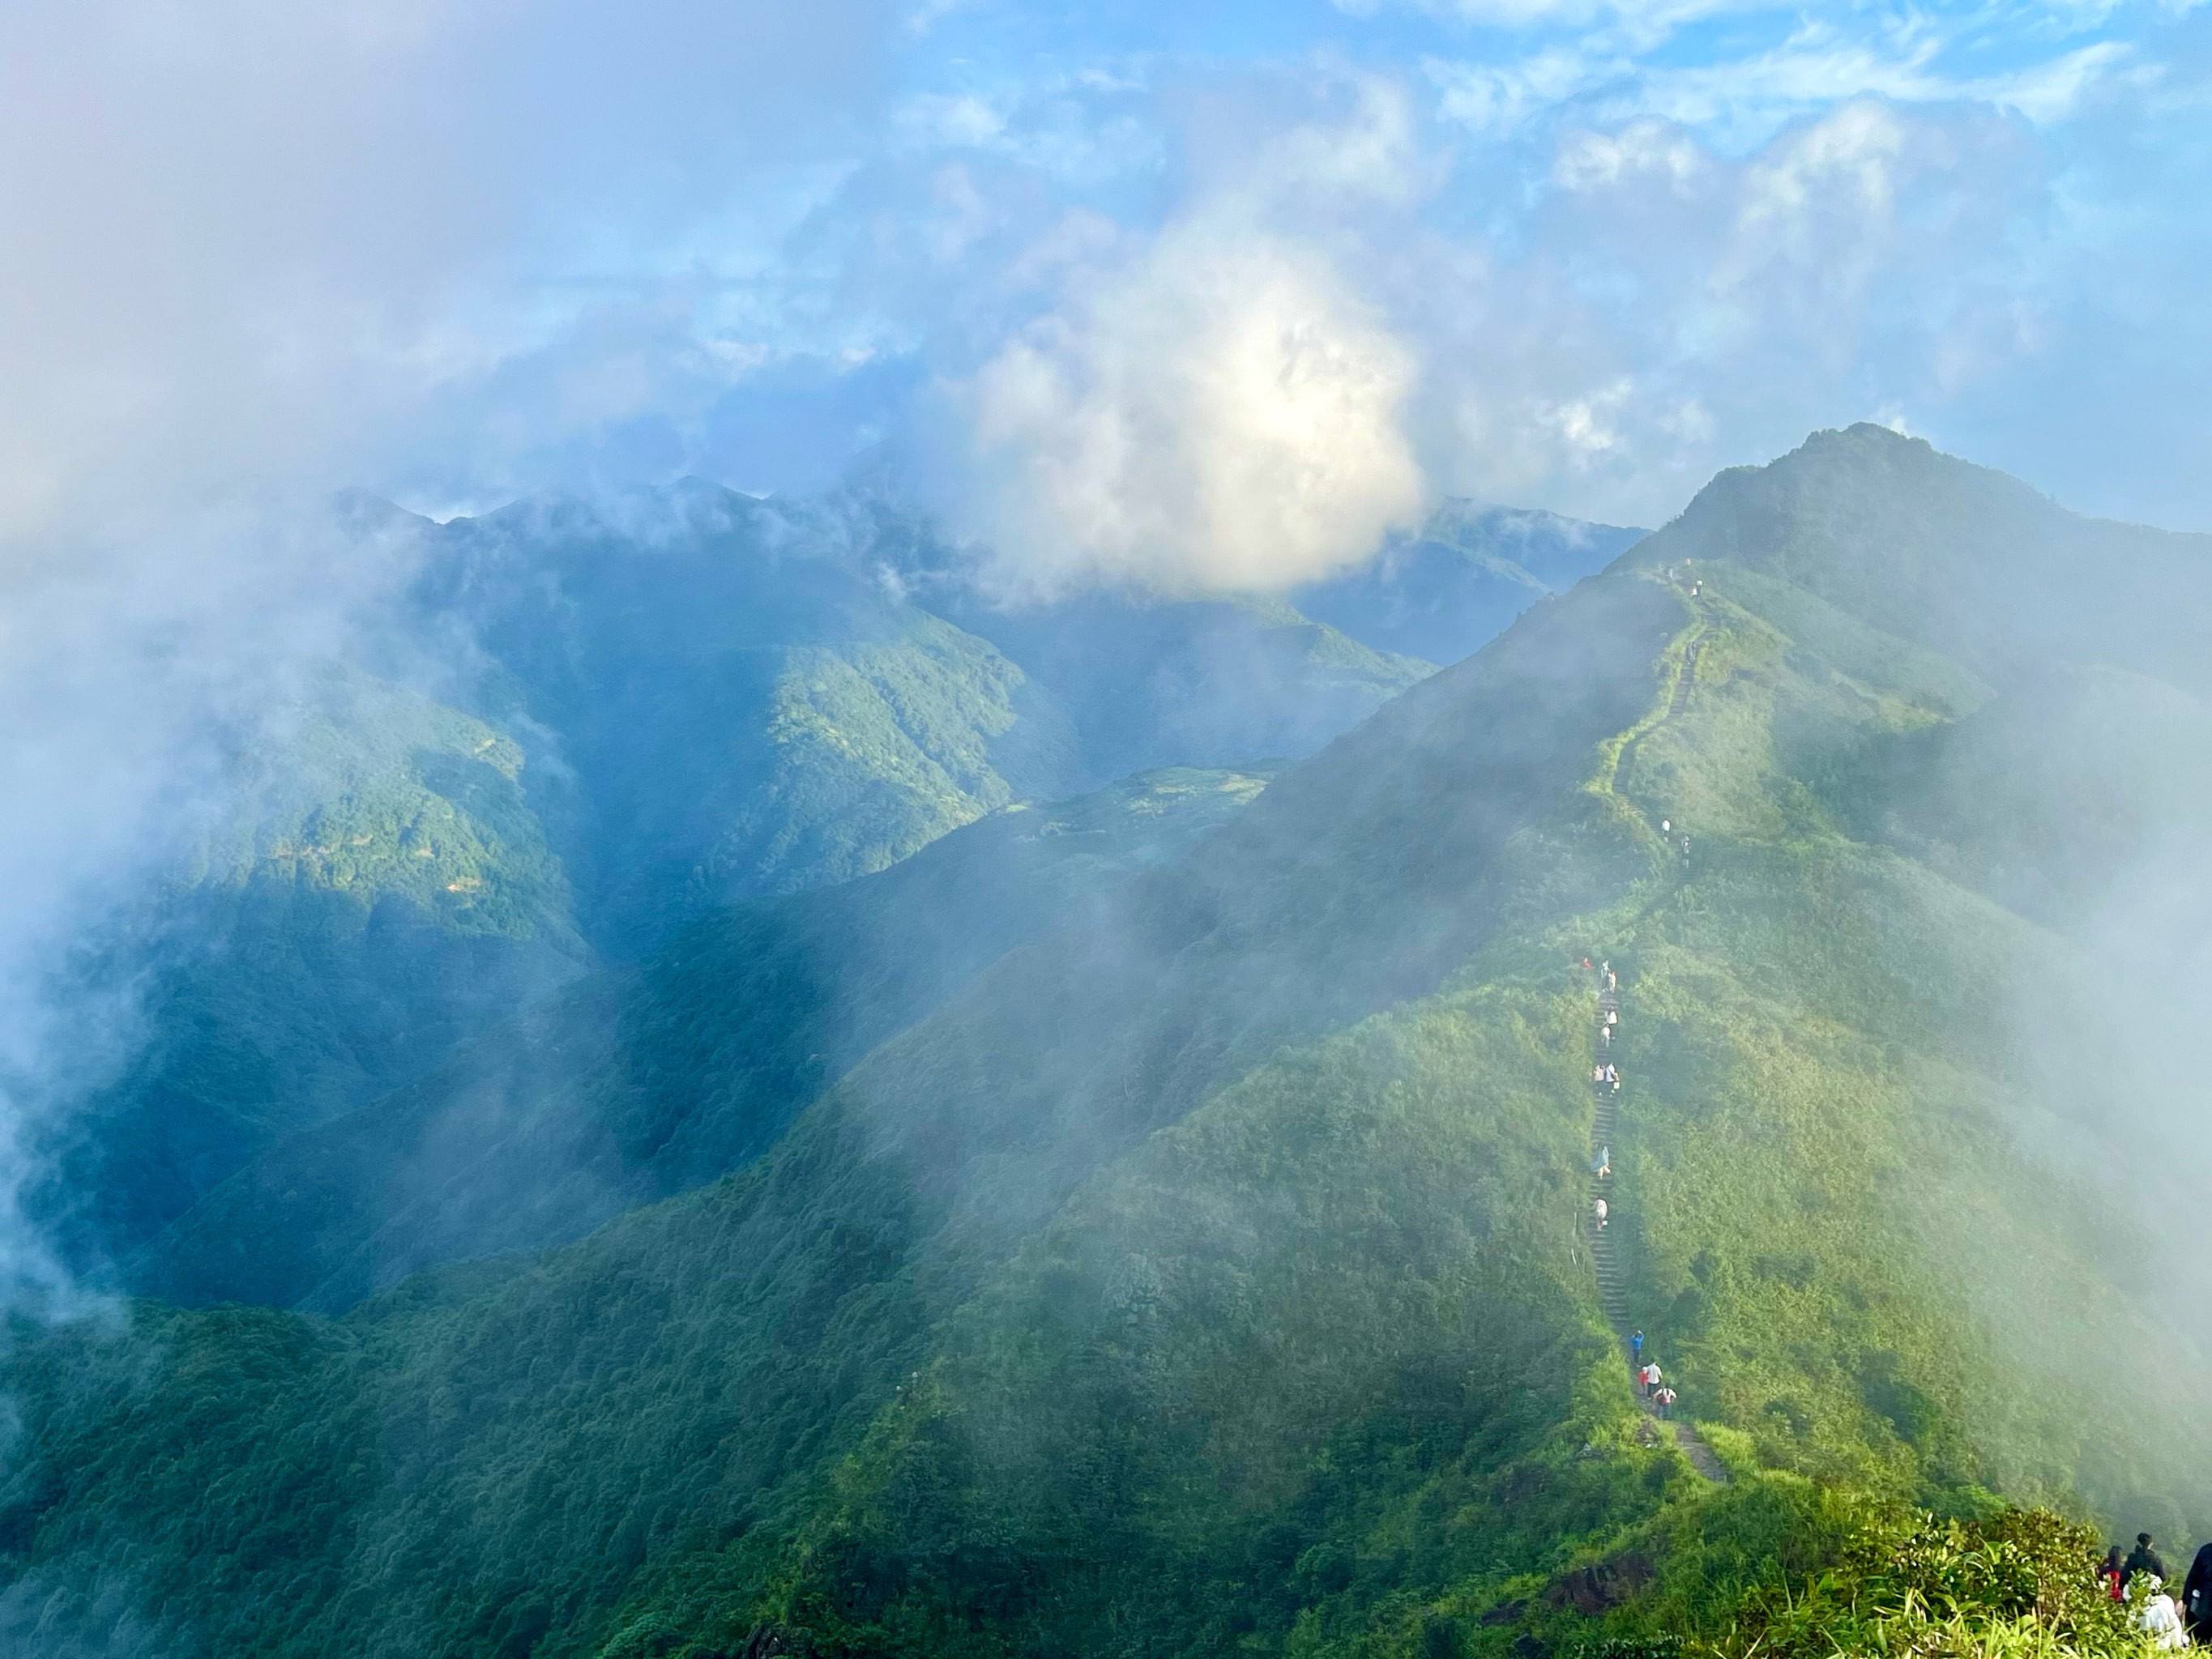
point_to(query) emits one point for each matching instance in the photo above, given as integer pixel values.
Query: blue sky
(1199, 295)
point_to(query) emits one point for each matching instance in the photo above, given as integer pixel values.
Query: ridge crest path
(1605, 1124)
(1676, 702)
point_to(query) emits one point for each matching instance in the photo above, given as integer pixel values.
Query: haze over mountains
(909, 1219)
(590, 725)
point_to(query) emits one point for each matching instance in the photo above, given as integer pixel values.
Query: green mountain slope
(1212, 1276)
(777, 1310)
(750, 698)
(1965, 560)
(1204, 683)
(642, 1083)
(380, 893)
(1146, 682)
(731, 714)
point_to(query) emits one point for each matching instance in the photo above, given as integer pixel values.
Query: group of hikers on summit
(2140, 1576)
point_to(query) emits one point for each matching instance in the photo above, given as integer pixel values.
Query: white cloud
(1367, 151)
(245, 241)
(1838, 174)
(1667, 308)
(1498, 99)
(1222, 415)
(1647, 151)
(1643, 18)
(1215, 406)
(2050, 92)
(1612, 75)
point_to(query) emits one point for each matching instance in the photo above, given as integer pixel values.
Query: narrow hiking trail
(1675, 704)
(1605, 1119)
(1611, 1280)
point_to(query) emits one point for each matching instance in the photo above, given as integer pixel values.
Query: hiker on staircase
(1657, 1398)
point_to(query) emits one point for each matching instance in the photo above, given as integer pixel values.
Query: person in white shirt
(2158, 1617)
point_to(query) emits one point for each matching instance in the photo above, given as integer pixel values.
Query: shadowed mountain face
(733, 699)
(723, 710)
(639, 1083)
(1206, 1273)
(384, 892)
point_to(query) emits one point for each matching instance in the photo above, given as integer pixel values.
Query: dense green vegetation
(382, 894)
(638, 1083)
(750, 698)
(674, 701)
(1208, 1276)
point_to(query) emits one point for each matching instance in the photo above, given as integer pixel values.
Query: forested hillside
(382, 892)
(746, 698)
(1210, 1273)
(588, 727)
(642, 1082)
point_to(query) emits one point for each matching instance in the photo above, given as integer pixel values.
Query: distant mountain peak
(1953, 555)
(360, 513)
(1442, 595)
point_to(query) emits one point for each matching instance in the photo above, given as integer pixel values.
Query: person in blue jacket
(1635, 1346)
